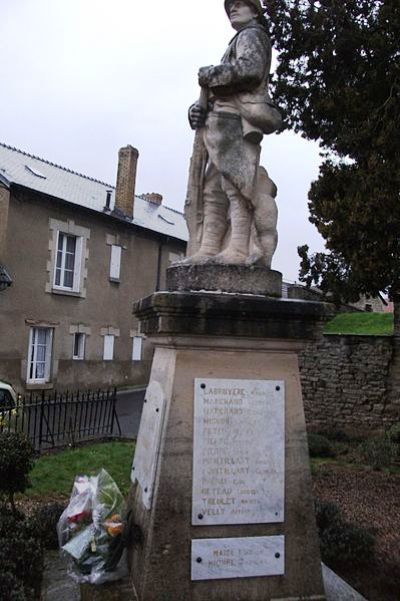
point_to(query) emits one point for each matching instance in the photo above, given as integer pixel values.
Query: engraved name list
(238, 458)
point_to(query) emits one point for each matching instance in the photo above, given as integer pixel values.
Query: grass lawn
(54, 473)
(367, 324)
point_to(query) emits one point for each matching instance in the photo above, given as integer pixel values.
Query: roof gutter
(111, 215)
(4, 180)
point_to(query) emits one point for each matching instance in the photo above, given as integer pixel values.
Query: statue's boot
(214, 227)
(237, 251)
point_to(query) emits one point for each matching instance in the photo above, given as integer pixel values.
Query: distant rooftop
(21, 168)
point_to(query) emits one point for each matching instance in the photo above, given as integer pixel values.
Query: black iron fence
(54, 419)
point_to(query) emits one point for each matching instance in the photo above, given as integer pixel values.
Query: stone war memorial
(221, 489)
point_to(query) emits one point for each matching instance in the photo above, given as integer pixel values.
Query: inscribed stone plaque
(239, 452)
(214, 558)
(148, 441)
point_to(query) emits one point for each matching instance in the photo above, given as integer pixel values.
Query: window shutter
(137, 348)
(108, 353)
(31, 352)
(49, 348)
(78, 264)
(115, 263)
(78, 350)
(58, 261)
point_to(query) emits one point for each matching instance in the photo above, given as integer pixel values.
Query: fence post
(41, 419)
(114, 414)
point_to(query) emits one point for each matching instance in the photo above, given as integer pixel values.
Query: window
(108, 351)
(115, 263)
(67, 268)
(69, 256)
(137, 348)
(79, 346)
(39, 357)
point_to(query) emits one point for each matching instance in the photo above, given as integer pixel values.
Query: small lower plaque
(220, 558)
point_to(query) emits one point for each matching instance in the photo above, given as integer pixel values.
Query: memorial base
(222, 488)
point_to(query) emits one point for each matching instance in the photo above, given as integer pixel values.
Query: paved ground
(129, 409)
(58, 586)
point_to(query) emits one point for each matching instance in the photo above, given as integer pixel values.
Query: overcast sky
(81, 78)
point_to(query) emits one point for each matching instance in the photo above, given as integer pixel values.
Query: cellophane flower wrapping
(90, 530)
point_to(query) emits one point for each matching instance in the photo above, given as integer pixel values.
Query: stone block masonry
(345, 382)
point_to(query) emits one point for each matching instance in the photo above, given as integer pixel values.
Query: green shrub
(346, 544)
(22, 552)
(394, 434)
(44, 522)
(11, 589)
(319, 446)
(376, 452)
(336, 435)
(326, 514)
(16, 461)
(342, 542)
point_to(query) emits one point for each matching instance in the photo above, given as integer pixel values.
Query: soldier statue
(230, 207)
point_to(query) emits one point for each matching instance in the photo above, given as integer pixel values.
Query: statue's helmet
(256, 4)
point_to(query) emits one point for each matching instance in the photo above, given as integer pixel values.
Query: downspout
(159, 263)
(5, 278)
(159, 260)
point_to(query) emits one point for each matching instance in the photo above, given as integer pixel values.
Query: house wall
(366, 303)
(345, 383)
(105, 305)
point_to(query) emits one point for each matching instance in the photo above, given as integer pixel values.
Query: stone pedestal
(222, 489)
(243, 279)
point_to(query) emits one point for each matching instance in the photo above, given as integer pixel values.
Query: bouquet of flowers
(90, 529)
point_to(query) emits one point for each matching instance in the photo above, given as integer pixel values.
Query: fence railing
(60, 419)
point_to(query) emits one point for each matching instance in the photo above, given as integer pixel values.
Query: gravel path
(369, 499)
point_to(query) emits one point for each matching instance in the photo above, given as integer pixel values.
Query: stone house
(300, 291)
(78, 252)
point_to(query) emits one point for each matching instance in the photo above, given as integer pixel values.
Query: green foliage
(54, 474)
(11, 589)
(342, 543)
(336, 434)
(44, 523)
(21, 556)
(338, 82)
(16, 461)
(377, 452)
(326, 514)
(394, 434)
(368, 324)
(319, 446)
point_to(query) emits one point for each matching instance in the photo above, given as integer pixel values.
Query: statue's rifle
(194, 196)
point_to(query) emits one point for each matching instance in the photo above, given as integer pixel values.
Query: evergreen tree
(338, 82)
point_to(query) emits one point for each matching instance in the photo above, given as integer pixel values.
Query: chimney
(153, 197)
(126, 180)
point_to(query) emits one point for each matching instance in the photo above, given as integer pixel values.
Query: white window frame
(77, 262)
(137, 347)
(81, 337)
(32, 356)
(108, 347)
(115, 262)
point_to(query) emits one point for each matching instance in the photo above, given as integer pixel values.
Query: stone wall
(345, 383)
